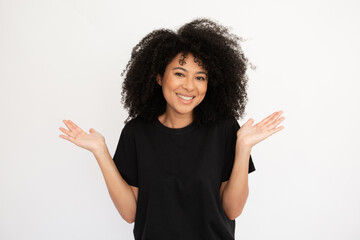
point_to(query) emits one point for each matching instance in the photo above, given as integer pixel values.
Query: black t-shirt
(178, 172)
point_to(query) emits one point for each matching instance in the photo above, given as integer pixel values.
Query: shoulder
(130, 126)
(133, 123)
(134, 126)
(230, 123)
(230, 126)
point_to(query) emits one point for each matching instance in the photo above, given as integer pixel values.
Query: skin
(192, 80)
(234, 192)
(188, 79)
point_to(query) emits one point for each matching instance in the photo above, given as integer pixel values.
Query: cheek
(171, 85)
(203, 89)
(168, 92)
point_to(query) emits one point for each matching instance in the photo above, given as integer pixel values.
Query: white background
(63, 59)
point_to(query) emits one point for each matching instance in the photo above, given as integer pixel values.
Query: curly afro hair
(219, 53)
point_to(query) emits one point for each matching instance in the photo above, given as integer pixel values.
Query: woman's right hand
(92, 142)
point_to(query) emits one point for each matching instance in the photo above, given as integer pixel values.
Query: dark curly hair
(216, 49)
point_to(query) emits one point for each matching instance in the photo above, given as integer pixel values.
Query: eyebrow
(186, 70)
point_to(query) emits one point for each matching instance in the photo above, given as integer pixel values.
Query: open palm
(251, 135)
(80, 138)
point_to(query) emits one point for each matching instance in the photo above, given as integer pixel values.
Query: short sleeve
(125, 155)
(231, 128)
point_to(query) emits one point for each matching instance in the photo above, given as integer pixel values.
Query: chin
(184, 110)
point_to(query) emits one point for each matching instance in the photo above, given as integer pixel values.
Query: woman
(180, 169)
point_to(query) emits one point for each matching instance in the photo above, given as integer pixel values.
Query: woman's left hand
(251, 135)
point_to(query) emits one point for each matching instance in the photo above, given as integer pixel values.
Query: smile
(185, 99)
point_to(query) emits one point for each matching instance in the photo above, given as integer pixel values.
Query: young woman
(180, 169)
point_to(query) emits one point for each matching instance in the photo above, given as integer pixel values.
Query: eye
(201, 78)
(179, 74)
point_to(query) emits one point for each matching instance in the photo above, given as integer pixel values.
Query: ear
(158, 79)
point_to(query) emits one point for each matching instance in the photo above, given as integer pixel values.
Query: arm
(120, 192)
(236, 190)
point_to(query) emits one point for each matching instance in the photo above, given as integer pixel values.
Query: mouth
(185, 99)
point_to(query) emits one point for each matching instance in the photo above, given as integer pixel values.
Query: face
(184, 84)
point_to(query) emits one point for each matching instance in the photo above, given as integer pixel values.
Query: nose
(189, 83)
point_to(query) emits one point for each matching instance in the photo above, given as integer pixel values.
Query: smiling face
(184, 84)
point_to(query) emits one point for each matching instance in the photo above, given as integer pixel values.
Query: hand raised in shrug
(251, 135)
(76, 135)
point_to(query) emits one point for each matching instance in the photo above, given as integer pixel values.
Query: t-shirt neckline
(174, 130)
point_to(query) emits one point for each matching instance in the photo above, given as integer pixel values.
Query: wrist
(242, 146)
(100, 149)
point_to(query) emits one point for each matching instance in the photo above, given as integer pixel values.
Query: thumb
(250, 121)
(92, 130)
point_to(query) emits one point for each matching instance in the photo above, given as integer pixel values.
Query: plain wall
(63, 60)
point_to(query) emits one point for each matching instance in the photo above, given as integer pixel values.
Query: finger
(74, 127)
(272, 119)
(70, 139)
(274, 130)
(267, 118)
(67, 131)
(77, 127)
(74, 124)
(66, 122)
(278, 129)
(71, 128)
(275, 123)
(249, 122)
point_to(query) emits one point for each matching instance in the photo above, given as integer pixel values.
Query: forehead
(188, 60)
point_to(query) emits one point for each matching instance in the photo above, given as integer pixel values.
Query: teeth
(184, 97)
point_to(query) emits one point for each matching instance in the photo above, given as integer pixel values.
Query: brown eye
(201, 78)
(179, 73)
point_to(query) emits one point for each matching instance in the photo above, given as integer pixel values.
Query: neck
(176, 120)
